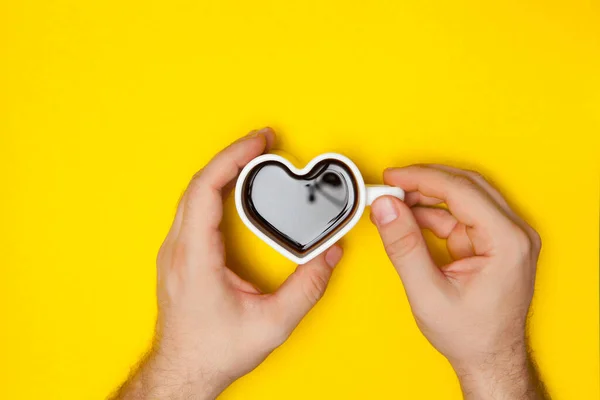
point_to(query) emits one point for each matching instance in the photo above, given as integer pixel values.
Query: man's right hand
(474, 309)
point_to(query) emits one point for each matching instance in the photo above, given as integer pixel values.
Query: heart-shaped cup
(302, 212)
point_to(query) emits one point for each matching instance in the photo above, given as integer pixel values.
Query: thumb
(304, 288)
(405, 246)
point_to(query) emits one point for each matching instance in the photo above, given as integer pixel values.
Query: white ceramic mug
(366, 194)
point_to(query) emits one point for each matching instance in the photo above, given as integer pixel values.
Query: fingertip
(225, 165)
(390, 176)
(259, 140)
(269, 135)
(334, 255)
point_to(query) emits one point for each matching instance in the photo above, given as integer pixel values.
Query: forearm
(156, 378)
(510, 375)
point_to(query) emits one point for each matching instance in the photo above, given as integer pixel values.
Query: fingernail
(384, 211)
(333, 255)
(269, 135)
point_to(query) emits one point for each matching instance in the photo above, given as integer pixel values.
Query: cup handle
(375, 191)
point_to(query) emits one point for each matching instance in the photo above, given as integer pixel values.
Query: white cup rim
(360, 207)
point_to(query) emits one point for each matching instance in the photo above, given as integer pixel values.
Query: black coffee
(299, 212)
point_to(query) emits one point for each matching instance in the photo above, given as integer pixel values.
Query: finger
(459, 243)
(496, 196)
(203, 208)
(462, 271)
(406, 246)
(225, 166)
(437, 220)
(304, 288)
(445, 226)
(480, 180)
(413, 198)
(227, 189)
(467, 202)
(269, 137)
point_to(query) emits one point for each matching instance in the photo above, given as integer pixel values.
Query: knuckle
(160, 257)
(403, 245)
(521, 240)
(178, 255)
(536, 239)
(197, 174)
(193, 190)
(195, 185)
(315, 284)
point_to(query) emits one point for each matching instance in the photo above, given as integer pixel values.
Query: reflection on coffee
(299, 212)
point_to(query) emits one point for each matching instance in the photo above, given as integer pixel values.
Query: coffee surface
(300, 212)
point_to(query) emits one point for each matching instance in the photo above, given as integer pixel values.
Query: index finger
(202, 202)
(469, 204)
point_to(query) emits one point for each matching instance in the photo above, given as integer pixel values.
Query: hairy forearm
(509, 375)
(156, 378)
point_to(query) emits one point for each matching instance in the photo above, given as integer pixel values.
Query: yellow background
(107, 108)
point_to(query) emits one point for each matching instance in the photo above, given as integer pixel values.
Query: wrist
(173, 377)
(162, 377)
(505, 374)
(505, 357)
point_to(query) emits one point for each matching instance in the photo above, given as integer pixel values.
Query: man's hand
(214, 327)
(474, 309)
